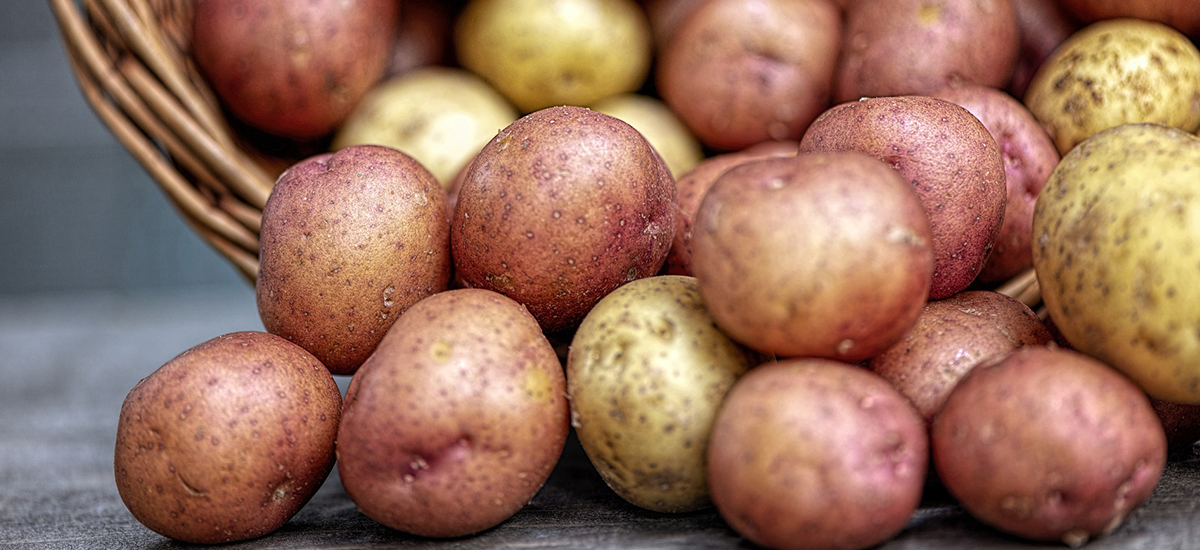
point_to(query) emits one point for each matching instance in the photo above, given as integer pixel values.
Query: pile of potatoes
(753, 253)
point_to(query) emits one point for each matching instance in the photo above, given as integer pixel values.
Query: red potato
(823, 254)
(739, 72)
(422, 36)
(228, 440)
(902, 47)
(293, 69)
(1028, 155)
(949, 158)
(666, 15)
(560, 208)
(457, 420)
(692, 186)
(950, 338)
(813, 454)
(1048, 444)
(1044, 24)
(1180, 14)
(349, 240)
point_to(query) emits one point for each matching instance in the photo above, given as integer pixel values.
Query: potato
(949, 158)
(544, 53)
(1115, 72)
(1048, 444)
(349, 240)
(293, 69)
(422, 36)
(1028, 156)
(228, 440)
(950, 338)
(813, 454)
(560, 208)
(440, 116)
(825, 255)
(457, 419)
(666, 15)
(1179, 14)
(646, 372)
(903, 47)
(695, 183)
(1117, 249)
(1043, 25)
(743, 71)
(659, 125)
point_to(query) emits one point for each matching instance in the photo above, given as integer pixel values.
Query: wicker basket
(139, 82)
(138, 79)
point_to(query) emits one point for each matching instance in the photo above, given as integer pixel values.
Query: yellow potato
(1115, 72)
(647, 372)
(660, 126)
(439, 116)
(1117, 253)
(544, 53)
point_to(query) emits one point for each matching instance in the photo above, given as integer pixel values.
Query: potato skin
(561, 207)
(666, 15)
(544, 53)
(293, 69)
(902, 47)
(949, 158)
(739, 72)
(1043, 25)
(646, 373)
(1048, 444)
(228, 440)
(349, 240)
(1115, 72)
(814, 454)
(1117, 250)
(691, 187)
(423, 36)
(950, 338)
(823, 254)
(659, 125)
(1028, 156)
(440, 116)
(457, 419)
(1179, 14)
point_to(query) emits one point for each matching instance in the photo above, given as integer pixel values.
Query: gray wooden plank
(67, 360)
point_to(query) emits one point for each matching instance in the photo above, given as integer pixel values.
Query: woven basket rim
(143, 87)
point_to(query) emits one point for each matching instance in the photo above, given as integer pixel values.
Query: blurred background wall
(77, 212)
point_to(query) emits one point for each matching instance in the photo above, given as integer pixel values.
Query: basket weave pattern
(135, 75)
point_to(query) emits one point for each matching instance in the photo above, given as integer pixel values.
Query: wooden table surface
(67, 361)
